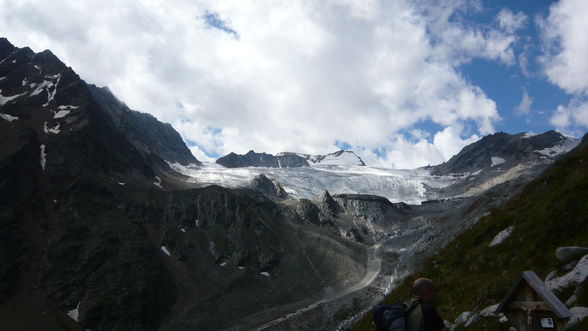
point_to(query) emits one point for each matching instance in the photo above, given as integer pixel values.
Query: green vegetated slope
(550, 212)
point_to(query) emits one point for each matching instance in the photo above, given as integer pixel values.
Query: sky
(402, 83)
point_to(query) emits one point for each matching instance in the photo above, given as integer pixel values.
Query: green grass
(550, 212)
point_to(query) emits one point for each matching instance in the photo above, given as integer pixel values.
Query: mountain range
(109, 223)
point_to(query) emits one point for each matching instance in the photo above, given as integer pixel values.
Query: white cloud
(565, 61)
(300, 76)
(566, 45)
(510, 21)
(524, 108)
(569, 119)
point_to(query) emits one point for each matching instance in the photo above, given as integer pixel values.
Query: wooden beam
(526, 305)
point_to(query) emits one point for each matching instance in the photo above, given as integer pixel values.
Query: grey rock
(463, 317)
(253, 159)
(568, 254)
(570, 265)
(502, 318)
(270, 188)
(551, 276)
(473, 320)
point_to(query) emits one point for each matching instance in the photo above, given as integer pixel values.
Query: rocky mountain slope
(522, 234)
(288, 160)
(92, 239)
(103, 230)
(144, 131)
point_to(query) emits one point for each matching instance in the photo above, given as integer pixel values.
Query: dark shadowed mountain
(502, 151)
(143, 130)
(288, 160)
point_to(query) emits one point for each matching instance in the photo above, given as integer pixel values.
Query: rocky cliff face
(144, 131)
(90, 232)
(252, 159)
(288, 160)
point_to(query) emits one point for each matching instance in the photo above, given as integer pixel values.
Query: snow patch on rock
(265, 273)
(561, 148)
(54, 130)
(5, 99)
(157, 182)
(43, 159)
(74, 314)
(8, 118)
(164, 249)
(61, 114)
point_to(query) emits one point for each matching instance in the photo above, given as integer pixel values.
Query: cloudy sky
(402, 83)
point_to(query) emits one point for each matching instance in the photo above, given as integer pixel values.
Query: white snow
(476, 173)
(61, 114)
(346, 158)
(37, 67)
(1, 78)
(5, 99)
(309, 182)
(24, 82)
(157, 182)
(182, 229)
(43, 156)
(74, 314)
(223, 264)
(13, 61)
(40, 88)
(8, 118)
(52, 93)
(121, 183)
(501, 236)
(164, 249)
(561, 148)
(496, 161)
(67, 107)
(574, 277)
(54, 130)
(529, 134)
(265, 273)
(241, 268)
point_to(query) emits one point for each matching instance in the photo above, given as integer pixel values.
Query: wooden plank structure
(531, 306)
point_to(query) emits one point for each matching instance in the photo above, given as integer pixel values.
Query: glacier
(397, 185)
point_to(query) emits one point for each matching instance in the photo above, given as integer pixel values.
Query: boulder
(501, 236)
(569, 254)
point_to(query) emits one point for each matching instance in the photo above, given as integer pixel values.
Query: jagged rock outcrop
(288, 160)
(143, 130)
(270, 188)
(568, 254)
(253, 159)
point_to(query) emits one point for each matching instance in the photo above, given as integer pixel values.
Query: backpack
(393, 317)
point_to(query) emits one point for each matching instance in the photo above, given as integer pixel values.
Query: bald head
(424, 289)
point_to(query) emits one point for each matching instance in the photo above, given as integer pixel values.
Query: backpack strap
(413, 305)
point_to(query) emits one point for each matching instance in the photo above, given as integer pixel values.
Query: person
(424, 317)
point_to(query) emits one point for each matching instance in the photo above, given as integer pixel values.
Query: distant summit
(502, 151)
(288, 160)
